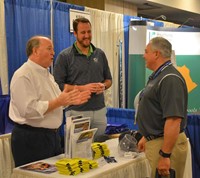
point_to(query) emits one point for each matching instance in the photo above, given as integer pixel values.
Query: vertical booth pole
(120, 75)
(51, 26)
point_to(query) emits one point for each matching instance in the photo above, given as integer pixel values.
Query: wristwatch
(164, 155)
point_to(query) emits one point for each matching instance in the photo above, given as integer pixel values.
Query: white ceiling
(153, 10)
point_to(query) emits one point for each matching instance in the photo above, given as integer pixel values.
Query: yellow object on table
(99, 150)
(75, 166)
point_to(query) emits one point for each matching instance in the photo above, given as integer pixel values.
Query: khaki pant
(178, 156)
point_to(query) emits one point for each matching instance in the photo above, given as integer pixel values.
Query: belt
(152, 137)
(25, 126)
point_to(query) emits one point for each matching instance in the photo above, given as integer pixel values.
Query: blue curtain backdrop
(6, 124)
(61, 28)
(0, 88)
(23, 20)
(193, 133)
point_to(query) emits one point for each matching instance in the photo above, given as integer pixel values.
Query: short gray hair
(32, 43)
(163, 45)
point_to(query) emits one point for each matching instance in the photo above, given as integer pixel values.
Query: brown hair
(76, 21)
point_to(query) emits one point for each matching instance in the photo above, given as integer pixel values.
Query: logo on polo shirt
(95, 59)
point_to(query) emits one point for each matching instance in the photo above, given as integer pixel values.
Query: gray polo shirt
(75, 68)
(165, 95)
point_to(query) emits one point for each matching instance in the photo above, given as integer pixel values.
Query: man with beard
(85, 67)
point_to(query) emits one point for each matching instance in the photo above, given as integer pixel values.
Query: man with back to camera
(162, 112)
(36, 105)
(85, 67)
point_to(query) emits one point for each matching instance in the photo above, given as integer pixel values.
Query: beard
(85, 43)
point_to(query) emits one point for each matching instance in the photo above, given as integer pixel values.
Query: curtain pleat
(61, 26)
(107, 30)
(6, 124)
(24, 19)
(6, 161)
(3, 53)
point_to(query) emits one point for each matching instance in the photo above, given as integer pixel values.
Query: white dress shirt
(31, 88)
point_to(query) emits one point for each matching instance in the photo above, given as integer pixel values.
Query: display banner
(186, 45)
(136, 64)
(186, 56)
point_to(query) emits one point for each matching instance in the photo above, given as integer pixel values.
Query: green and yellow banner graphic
(186, 48)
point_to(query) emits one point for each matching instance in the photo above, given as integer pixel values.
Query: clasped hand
(95, 87)
(74, 97)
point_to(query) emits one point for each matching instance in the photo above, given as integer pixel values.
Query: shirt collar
(159, 70)
(37, 67)
(80, 52)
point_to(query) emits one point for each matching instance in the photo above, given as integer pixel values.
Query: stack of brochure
(41, 167)
(78, 137)
(75, 166)
(99, 150)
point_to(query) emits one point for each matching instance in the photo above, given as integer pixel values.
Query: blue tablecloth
(6, 125)
(193, 133)
(122, 116)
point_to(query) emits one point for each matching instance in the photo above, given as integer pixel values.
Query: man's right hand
(74, 97)
(95, 87)
(141, 144)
